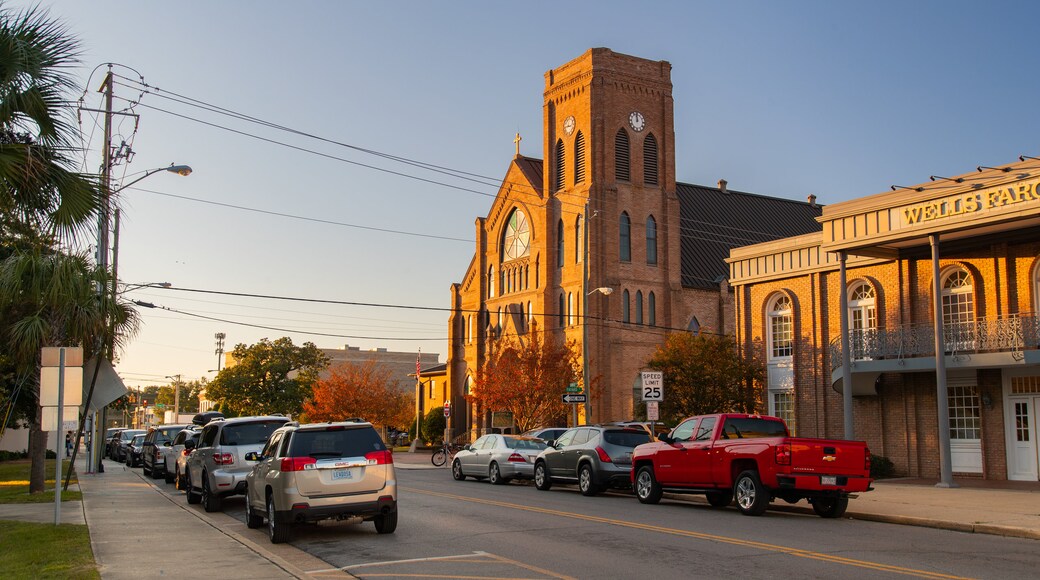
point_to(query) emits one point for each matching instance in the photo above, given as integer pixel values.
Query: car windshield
(335, 443)
(137, 440)
(128, 435)
(249, 433)
(626, 438)
(516, 443)
(167, 434)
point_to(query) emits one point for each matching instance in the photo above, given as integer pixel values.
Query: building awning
(109, 385)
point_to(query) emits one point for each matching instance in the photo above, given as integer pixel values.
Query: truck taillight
(783, 454)
(223, 458)
(603, 455)
(379, 458)
(297, 463)
(866, 459)
(517, 458)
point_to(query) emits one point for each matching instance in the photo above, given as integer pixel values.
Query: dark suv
(593, 456)
(217, 468)
(156, 444)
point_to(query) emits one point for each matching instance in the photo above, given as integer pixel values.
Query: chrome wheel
(745, 493)
(585, 480)
(541, 477)
(494, 475)
(647, 488)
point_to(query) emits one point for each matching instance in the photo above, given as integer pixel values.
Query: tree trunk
(37, 453)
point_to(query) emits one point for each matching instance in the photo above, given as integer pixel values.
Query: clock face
(636, 121)
(568, 124)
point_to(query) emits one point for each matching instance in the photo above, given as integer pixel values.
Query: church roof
(714, 221)
(531, 168)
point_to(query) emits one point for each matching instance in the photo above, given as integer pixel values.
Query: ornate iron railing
(1015, 334)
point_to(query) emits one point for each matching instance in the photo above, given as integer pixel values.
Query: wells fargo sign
(972, 203)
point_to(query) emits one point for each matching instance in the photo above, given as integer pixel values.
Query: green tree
(433, 426)
(51, 299)
(40, 191)
(704, 373)
(268, 377)
(190, 391)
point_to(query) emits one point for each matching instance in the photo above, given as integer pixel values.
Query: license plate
(828, 480)
(342, 474)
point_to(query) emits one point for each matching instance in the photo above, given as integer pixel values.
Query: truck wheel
(541, 477)
(647, 488)
(830, 507)
(720, 499)
(752, 496)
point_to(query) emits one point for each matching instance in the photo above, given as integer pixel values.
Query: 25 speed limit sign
(653, 385)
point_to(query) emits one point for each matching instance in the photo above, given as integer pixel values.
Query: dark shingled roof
(713, 222)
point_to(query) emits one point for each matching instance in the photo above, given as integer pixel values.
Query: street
(473, 529)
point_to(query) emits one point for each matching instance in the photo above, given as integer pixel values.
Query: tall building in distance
(600, 232)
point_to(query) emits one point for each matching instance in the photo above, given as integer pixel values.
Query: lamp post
(606, 291)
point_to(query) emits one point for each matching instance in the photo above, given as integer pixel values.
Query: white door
(1022, 451)
(965, 423)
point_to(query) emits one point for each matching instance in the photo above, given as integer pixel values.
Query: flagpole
(418, 395)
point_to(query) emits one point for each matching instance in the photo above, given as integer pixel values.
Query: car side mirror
(663, 437)
(189, 445)
(551, 443)
(252, 456)
(168, 444)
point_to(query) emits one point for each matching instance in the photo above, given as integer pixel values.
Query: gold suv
(321, 471)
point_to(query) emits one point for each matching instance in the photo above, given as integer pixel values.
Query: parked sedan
(594, 456)
(156, 445)
(112, 441)
(123, 442)
(546, 433)
(134, 450)
(180, 465)
(176, 454)
(499, 458)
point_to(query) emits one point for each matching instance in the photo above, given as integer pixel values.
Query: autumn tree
(360, 390)
(268, 377)
(527, 376)
(705, 373)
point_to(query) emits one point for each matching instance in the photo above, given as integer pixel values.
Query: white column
(943, 403)
(846, 350)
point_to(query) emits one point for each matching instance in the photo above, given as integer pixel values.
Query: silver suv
(320, 471)
(217, 468)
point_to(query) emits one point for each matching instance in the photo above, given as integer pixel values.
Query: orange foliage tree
(365, 391)
(527, 378)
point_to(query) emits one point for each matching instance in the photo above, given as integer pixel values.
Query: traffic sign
(653, 385)
(653, 412)
(447, 408)
(575, 398)
(573, 388)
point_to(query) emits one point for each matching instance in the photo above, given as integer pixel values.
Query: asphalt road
(472, 529)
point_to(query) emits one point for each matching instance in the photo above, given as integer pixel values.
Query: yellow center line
(700, 535)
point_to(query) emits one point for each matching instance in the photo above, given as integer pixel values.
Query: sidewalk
(138, 529)
(982, 507)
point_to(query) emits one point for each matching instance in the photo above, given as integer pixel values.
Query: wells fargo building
(850, 320)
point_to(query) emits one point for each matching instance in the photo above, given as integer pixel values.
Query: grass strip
(14, 483)
(45, 551)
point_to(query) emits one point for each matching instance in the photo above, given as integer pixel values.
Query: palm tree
(50, 299)
(38, 140)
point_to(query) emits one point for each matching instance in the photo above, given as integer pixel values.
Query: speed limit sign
(653, 385)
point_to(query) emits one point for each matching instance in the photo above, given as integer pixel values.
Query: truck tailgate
(825, 456)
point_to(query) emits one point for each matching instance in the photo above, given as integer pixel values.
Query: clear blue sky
(838, 99)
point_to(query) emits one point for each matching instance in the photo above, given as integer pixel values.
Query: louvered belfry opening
(558, 178)
(621, 154)
(579, 158)
(650, 160)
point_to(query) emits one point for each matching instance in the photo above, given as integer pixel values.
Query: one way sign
(574, 398)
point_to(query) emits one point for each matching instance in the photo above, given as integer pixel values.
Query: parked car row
(748, 458)
(289, 473)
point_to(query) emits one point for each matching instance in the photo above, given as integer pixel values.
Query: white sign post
(55, 379)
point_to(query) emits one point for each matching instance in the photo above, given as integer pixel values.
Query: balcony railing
(1015, 334)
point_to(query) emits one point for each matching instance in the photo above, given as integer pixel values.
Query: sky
(278, 107)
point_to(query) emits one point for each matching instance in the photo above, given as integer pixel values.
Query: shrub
(433, 426)
(12, 455)
(881, 467)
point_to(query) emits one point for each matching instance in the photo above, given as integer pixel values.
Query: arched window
(558, 178)
(651, 240)
(562, 312)
(559, 244)
(639, 306)
(625, 237)
(863, 318)
(958, 310)
(579, 241)
(579, 158)
(780, 355)
(650, 160)
(651, 309)
(516, 239)
(621, 155)
(625, 317)
(570, 309)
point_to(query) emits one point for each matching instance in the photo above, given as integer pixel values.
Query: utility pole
(106, 176)
(220, 336)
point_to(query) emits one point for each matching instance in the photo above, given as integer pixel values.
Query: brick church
(600, 228)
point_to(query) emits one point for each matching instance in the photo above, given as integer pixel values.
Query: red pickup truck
(751, 458)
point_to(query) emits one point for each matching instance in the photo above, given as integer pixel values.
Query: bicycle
(445, 454)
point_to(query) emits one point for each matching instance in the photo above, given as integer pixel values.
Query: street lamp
(176, 397)
(182, 170)
(606, 291)
(129, 287)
